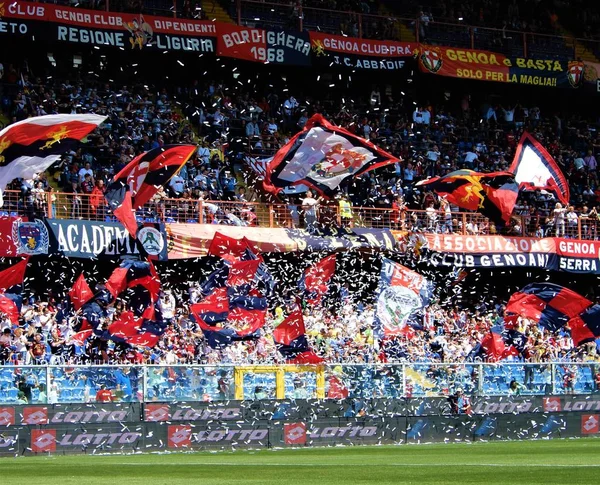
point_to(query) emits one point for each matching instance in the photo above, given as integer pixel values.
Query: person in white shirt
(167, 306)
(470, 158)
(177, 184)
(559, 219)
(290, 106)
(204, 153)
(433, 154)
(310, 207)
(84, 171)
(272, 126)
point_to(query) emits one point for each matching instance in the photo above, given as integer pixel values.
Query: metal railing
(58, 205)
(411, 28)
(147, 383)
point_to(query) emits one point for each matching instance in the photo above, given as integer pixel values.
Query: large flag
(323, 156)
(141, 279)
(553, 306)
(137, 183)
(400, 294)
(314, 282)
(30, 146)
(290, 338)
(534, 168)
(492, 194)
(233, 307)
(11, 287)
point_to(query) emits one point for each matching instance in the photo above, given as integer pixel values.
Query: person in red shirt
(104, 394)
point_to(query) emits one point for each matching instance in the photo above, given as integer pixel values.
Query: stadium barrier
(110, 427)
(58, 205)
(203, 383)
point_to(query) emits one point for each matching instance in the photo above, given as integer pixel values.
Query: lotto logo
(294, 433)
(590, 424)
(43, 440)
(35, 415)
(156, 412)
(179, 436)
(7, 416)
(552, 404)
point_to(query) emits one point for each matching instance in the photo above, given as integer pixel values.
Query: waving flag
(290, 338)
(11, 287)
(534, 168)
(30, 146)
(137, 183)
(491, 194)
(229, 248)
(314, 283)
(323, 156)
(141, 279)
(81, 293)
(400, 294)
(553, 306)
(233, 307)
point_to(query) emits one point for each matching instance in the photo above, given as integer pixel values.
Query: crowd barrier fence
(51, 384)
(58, 205)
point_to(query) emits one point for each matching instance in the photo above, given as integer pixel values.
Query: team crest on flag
(30, 237)
(140, 31)
(575, 73)
(323, 156)
(431, 59)
(401, 293)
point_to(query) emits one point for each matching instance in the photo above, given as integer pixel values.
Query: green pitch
(528, 462)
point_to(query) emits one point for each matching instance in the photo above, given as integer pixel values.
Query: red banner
(504, 251)
(360, 53)
(271, 46)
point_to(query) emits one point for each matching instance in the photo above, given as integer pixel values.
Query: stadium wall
(135, 427)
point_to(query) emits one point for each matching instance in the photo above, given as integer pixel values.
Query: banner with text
(352, 53)
(558, 254)
(490, 66)
(274, 46)
(47, 22)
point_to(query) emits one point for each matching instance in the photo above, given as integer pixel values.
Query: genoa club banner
(558, 254)
(490, 66)
(401, 293)
(337, 50)
(273, 46)
(128, 31)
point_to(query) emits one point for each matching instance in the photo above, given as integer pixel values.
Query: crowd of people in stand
(230, 124)
(46, 334)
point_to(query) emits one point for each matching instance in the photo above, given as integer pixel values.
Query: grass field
(528, 462)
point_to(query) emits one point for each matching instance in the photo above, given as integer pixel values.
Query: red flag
(306, 358)
(13, 276)
(242, 272)
(229, 248)
(145, 339)
(9, 308)
(290, 329)
(316, 278)
(81, 293)
(137, 183)
(125, 326)
(494, 347)
(82, 336)
(117, 283)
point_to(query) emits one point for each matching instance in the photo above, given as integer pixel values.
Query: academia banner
(273, 46)
(490, 66)
(47, 22)
(91, 239)
(348, 52)
(558, 254)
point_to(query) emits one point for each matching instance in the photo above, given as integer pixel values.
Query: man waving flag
(30, 146)
(137, 183)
